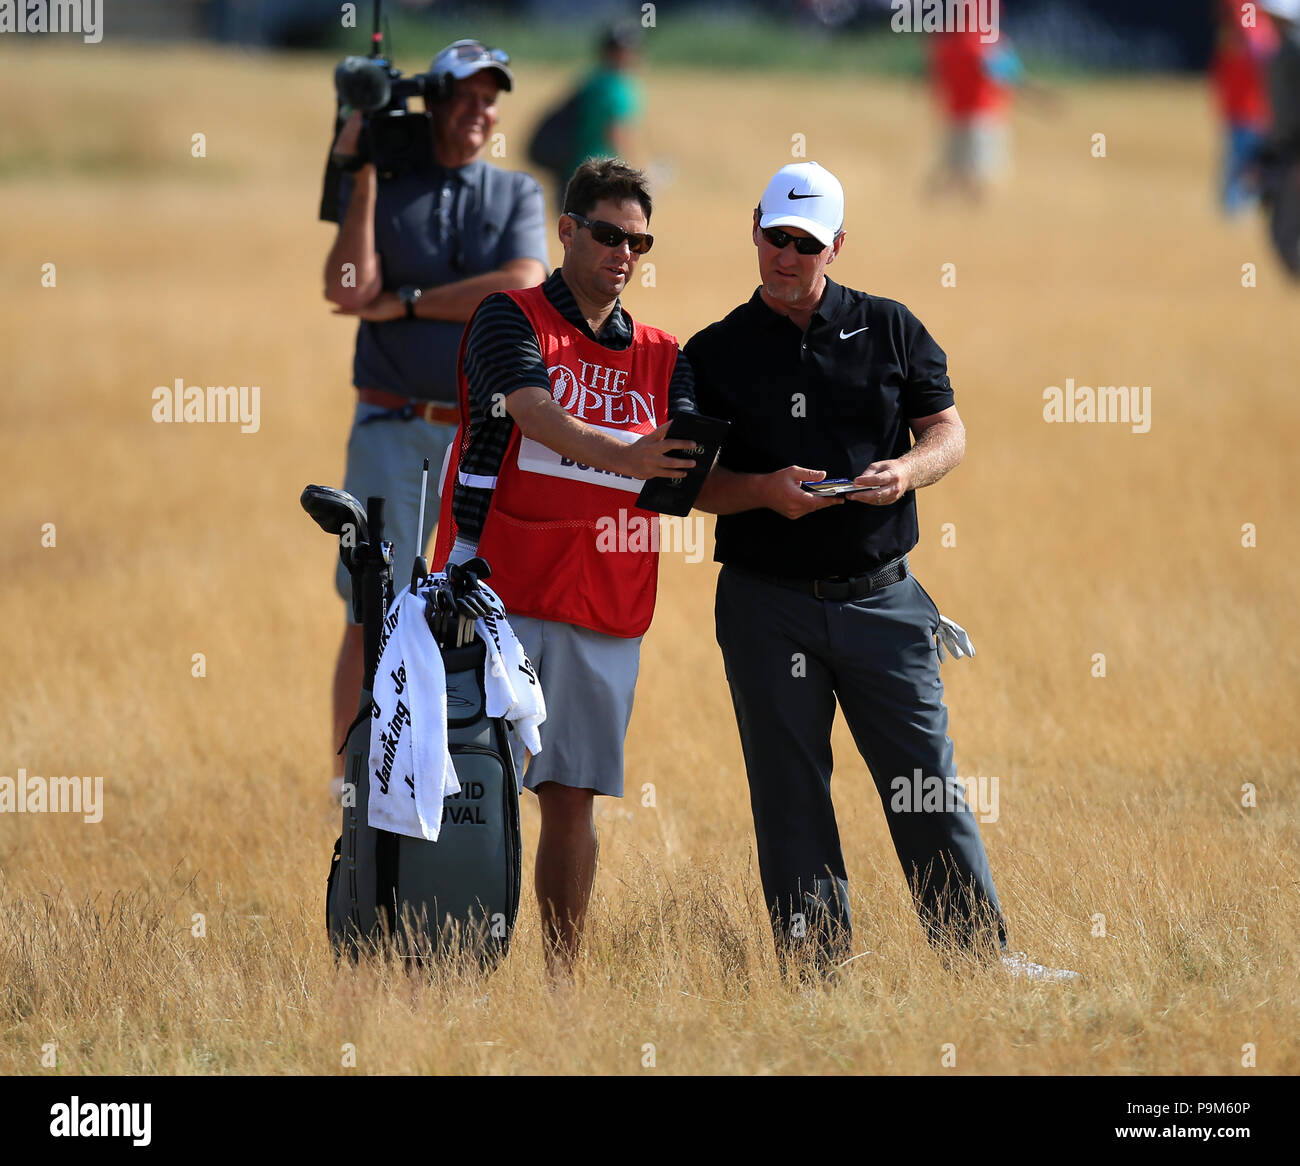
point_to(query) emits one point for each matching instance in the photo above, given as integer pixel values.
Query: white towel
(510, 681)
(410, 768)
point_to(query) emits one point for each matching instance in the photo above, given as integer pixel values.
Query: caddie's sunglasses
(805, 245)
(609, 235)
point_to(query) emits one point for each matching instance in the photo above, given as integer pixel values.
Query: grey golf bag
(458, 896)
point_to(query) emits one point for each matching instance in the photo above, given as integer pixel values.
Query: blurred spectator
(1284, 73)
(598, 120)
(973, 81)
(1239, 76)
(610, 101)
(1282, 177)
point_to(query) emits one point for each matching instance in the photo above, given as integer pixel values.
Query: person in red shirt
(1238, 77)
(973, 82)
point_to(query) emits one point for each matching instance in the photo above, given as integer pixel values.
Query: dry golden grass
(1119, 796)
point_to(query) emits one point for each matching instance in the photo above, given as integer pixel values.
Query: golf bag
(458, 895)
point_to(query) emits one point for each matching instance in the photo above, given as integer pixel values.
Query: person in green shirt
(610, 102)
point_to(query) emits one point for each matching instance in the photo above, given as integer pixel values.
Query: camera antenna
(382, 23)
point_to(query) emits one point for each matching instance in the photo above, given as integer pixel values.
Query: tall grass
(184, 933)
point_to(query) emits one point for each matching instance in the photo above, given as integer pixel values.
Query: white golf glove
(953, 637)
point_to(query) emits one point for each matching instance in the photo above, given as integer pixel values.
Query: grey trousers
(789, 657)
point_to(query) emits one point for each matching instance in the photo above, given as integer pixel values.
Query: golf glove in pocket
(953, 637)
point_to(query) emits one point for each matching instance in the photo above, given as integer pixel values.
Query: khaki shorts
(978, 147)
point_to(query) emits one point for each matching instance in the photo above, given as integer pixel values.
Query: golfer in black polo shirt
(815, 602)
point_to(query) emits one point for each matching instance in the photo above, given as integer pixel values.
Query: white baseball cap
(464, 58)
(807, 196)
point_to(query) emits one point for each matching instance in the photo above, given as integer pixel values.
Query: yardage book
(677, 495)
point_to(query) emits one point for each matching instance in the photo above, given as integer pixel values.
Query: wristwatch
(409, 295)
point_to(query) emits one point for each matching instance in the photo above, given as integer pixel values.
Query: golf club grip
(375, 520)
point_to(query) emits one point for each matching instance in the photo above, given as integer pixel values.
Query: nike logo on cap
(845, 335)
(792, 196)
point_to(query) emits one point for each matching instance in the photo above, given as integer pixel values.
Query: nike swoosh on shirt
(845, 335)
(793, 196)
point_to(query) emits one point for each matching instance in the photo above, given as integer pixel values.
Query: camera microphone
(363, 83)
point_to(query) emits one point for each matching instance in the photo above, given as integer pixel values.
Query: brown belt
(426, 410)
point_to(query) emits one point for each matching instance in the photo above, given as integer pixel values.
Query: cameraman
(415, 254)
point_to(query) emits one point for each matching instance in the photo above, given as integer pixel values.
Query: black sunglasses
(804, 245)
(609, 235)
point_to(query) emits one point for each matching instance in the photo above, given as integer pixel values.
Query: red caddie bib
(565, 541)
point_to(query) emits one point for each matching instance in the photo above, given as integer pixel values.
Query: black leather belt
(839, 590)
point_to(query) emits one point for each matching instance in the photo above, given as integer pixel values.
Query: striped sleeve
(501, 353)
(681, 389)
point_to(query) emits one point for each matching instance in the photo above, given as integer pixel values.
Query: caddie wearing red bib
(565, 403)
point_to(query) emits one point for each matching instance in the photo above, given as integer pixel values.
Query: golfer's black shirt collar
(832, 298)
(617, 332)
(827, 309)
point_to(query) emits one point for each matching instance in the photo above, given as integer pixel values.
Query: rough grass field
(1120, 796)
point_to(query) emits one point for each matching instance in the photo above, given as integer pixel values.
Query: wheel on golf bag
(458, 896)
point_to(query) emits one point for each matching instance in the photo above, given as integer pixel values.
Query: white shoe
(1019, 966)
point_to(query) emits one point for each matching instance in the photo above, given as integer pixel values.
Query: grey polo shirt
(433, 228)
